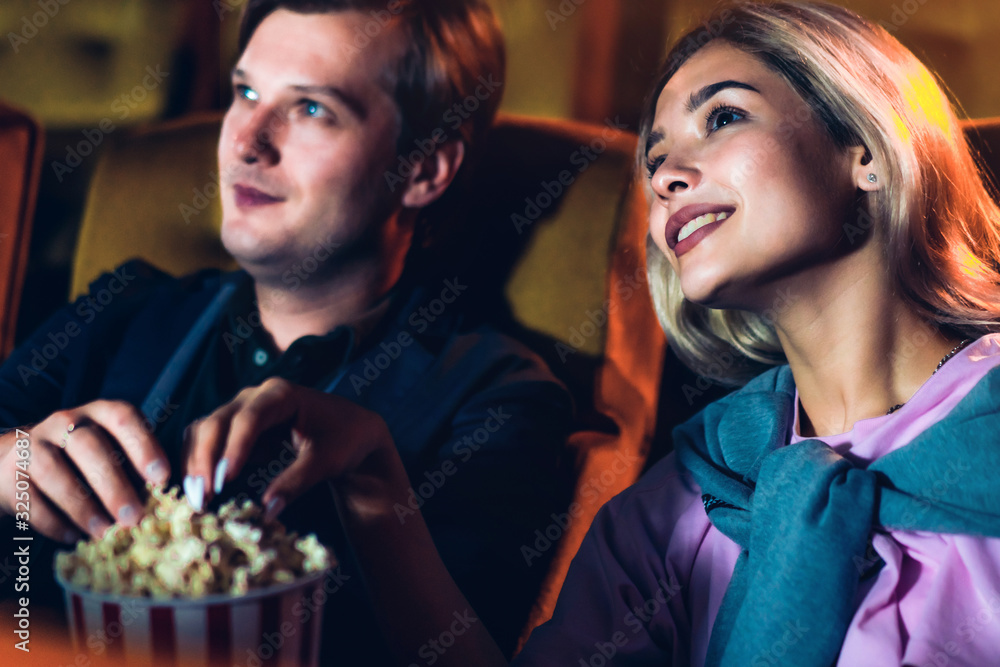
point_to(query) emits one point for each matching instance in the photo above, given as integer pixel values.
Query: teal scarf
(803, 514)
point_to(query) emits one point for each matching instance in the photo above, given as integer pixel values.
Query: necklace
(941, 363)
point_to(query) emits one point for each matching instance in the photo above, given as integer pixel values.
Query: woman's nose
(674, 175)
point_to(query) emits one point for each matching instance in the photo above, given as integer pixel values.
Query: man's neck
(317, 307)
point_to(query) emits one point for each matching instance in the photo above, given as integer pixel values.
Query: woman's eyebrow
(697, 99)
(703, 95)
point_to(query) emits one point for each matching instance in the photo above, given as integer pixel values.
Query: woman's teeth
(699, 222)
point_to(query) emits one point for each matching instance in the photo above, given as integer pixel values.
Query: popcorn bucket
(277, 626)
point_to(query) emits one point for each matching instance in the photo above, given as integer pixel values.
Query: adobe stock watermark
(302, 610)
(87, 309)
(223, 7)
(784, 300)
(562, 13)
(696, 40)
(550, 191)
(592, 491)
(462, 450)
(772, 655)
(435, 647)
(901, 14)
(951, 477)
(452, 119)
(294, 277)
(637, 619)
(419, 321)
(123, 106)
(103, 639)
(860, 227)
(787, 126)
(205, 195)
(625, 287)
(30, 25)
(161, 411)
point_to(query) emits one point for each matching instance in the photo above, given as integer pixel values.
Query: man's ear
(865, 170)
(432, 176)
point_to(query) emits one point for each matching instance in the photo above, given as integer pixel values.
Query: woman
(803, 157)
(813, 206)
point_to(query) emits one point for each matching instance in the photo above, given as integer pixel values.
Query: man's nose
(256, 137)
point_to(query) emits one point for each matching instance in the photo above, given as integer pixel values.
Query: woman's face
(748, 189)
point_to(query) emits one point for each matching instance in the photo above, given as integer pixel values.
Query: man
(327, 97)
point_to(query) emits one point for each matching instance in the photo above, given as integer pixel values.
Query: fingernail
(96, 526)
(127, 513)
(274, 507)
(220, 475)
(157, 472)
(194, 489)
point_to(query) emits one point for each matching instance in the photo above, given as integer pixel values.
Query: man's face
(306, 143)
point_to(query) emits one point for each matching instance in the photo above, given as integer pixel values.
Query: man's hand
(77, 467)
(334, 440)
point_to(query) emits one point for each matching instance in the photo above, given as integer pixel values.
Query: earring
(872, 178)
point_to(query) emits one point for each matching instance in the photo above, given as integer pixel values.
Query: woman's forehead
(712, 65)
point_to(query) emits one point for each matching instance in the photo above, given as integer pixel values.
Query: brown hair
(454, 46)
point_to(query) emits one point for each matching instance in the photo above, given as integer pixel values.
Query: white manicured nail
(194, 489)
(274, 507)
(220, 475)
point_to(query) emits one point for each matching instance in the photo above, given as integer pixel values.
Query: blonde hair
(932, 211)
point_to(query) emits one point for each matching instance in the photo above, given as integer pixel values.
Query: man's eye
(246, 92)
(721, 116)
(313, 109)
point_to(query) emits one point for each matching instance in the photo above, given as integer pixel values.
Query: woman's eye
(653, 164)
(721, 116)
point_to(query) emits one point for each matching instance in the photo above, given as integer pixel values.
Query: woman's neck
(855, 349)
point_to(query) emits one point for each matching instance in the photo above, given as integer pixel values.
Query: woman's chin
(703, 293)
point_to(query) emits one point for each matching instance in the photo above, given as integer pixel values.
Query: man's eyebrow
(703, 95)
(353, 104)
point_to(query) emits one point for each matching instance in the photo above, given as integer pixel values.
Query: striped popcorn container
(278, 626)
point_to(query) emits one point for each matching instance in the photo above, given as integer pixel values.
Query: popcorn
(174, 552)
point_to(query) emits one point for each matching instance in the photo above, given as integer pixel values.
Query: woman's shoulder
(663, 506)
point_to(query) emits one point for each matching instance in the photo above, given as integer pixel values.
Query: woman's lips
(695, 237)
(249, 197)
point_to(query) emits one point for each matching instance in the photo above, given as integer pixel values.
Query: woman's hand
(333, 438)
(77, 469)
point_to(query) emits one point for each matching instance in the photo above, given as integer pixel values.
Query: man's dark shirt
(477, 418)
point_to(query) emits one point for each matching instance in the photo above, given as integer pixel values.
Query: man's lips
(250, 196)
(691, 213)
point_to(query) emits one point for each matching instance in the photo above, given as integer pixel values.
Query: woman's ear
(432, 176)
(864, 169)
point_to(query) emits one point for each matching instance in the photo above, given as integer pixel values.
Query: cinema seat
(21, 144)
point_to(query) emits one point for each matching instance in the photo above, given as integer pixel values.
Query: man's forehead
(305, 48)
